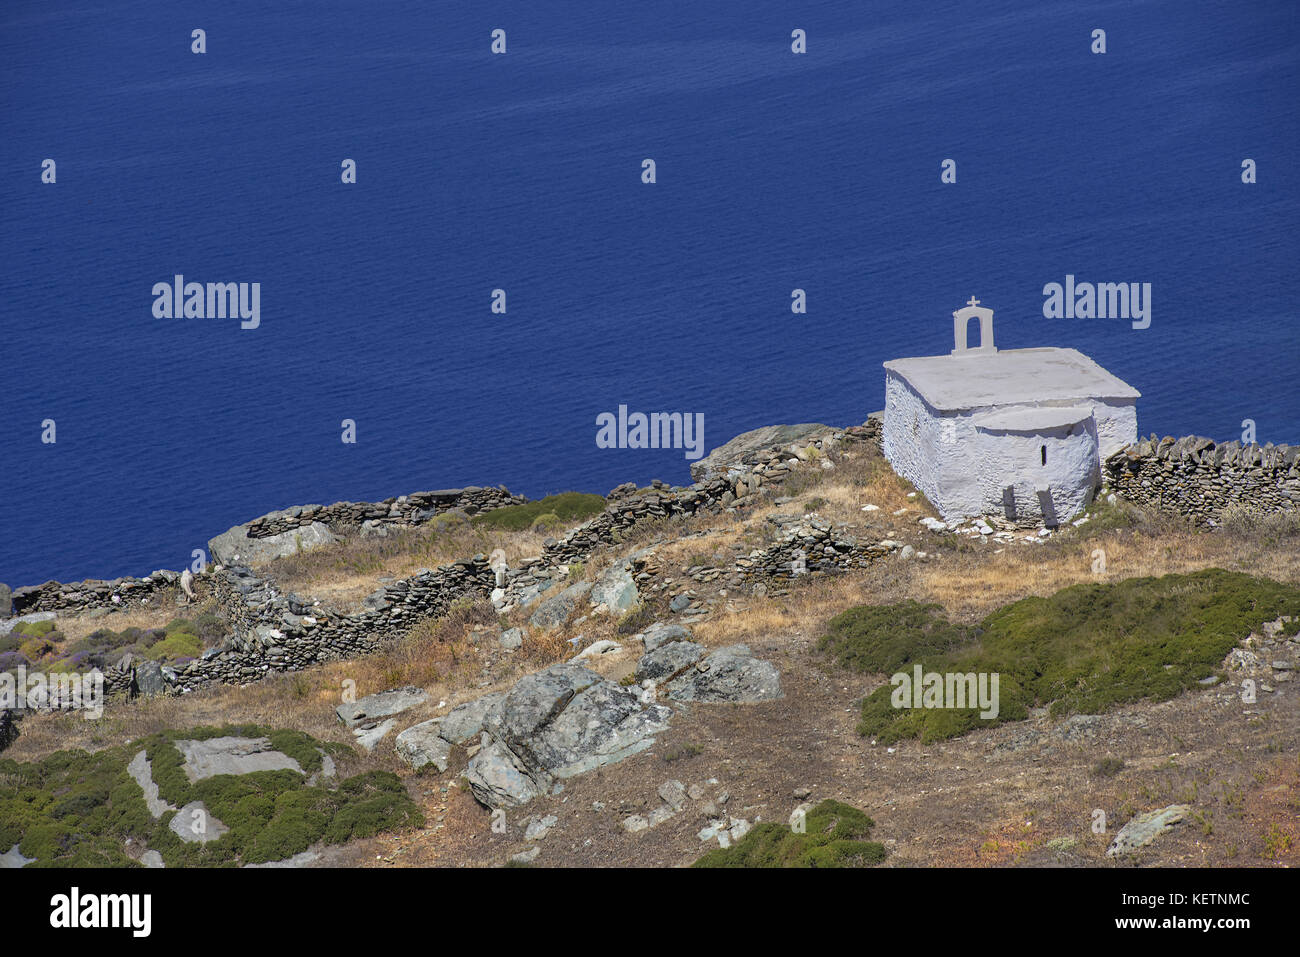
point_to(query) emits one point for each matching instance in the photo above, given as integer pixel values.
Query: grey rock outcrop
(744, 448)
(729, 674)
(466, 721)
(235, 547)
(555, 724)
(142, 773)
(556, 610)
(380, 705)
(1145, 828)
(667, 660)
(423, 744)
(148, 679)
(615, 591)
(661, 633)
(13, 858)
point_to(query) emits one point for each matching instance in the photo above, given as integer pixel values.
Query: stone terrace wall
(160, 586)
(628, 506)
(413, 509)
(274, 631)
(278, 632)
(1198, 478)
(822, 548)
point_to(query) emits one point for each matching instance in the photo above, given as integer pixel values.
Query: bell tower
(961, 322)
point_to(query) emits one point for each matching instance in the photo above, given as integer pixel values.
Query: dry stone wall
(272, 631)
(735, 481)
(1199, 478)
(160, 586)
(414, 509)
(808, 547)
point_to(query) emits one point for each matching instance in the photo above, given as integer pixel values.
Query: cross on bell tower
(961, 319)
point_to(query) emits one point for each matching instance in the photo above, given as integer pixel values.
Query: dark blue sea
(522, 172)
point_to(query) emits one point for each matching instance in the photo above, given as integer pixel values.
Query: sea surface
(523, 171)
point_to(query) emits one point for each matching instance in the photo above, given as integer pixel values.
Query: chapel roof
(955, 383)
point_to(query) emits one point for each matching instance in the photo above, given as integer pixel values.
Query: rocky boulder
(667, 660)
(234, 547)
(466, 721)
(615, 591)
(729, 674)
(661, 633)
(1145, 828)
(555, 611)
(423, 744)
(560, 722)
(149, 679)
(744, 448)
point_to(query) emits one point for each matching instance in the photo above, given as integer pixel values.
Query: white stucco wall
(963, 470)
(1117, 424)
(912, 438)
(1051, 493)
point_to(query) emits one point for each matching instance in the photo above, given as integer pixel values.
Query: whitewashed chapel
(1017, 433)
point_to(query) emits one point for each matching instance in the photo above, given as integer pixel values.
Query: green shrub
(567, 507)
(547, 522)
(176, 645)
(74, 809)
(834, 835)
(36, 648)
(1084, 650)
(886, 638)
(35, 629)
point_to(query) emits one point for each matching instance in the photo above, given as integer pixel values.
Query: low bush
(833, 835)
(74, 809)
(1085, 649)
(567, 507)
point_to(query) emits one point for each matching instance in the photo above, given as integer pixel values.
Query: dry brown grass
(76, 627)
(971, 579)
(344, 573)
(458, 658)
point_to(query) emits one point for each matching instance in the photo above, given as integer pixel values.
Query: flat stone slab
(369, 736)
(423, 744)
(140, 770)
(13, 858)
(205, 759)
(381, 705)
(1145, 828)
(729, 674)
(195, 824)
